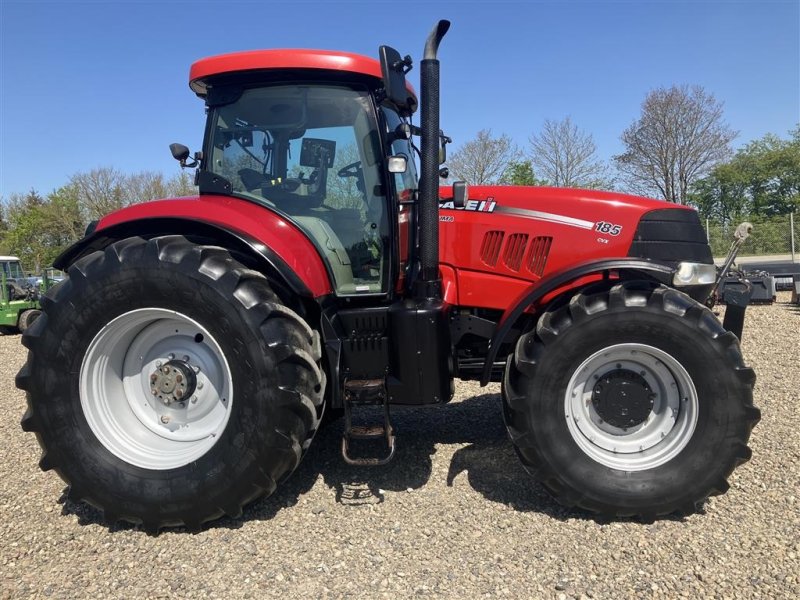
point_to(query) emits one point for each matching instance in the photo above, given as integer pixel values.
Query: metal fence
(771, 236)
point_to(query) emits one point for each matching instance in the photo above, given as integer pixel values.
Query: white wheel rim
(666, 430)
(116, 389)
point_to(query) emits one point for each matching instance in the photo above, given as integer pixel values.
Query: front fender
(564, 280)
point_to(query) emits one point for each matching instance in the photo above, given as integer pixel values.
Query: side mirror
(394, 69)
(460, 193)
(181, 154)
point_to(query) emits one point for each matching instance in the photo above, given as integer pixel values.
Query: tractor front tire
(168, 384)
(630, 401)
(26, 319)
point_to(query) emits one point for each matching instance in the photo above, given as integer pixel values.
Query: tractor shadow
(487, 461)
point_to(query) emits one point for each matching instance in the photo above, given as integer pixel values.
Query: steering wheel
(351, 170)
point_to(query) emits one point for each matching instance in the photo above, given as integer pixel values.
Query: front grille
(671, 235)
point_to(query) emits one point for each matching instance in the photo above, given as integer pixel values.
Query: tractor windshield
(312, 153)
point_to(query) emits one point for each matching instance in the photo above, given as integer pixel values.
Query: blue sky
(85, 84)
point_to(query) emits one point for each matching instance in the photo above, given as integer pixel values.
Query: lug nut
(199, 385)
(178, 393)
(165, 370)
(165, 419)
(178, 377)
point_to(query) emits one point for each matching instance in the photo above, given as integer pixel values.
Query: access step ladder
(366, 392)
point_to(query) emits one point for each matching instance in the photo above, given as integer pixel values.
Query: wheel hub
(623, 398)
(156, 388)
(631, 406)
(174, 381)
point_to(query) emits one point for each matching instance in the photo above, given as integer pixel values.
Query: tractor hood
(524, 233)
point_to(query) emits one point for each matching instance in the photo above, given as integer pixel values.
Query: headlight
(689, 273)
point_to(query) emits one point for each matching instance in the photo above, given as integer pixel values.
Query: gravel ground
(453, 516)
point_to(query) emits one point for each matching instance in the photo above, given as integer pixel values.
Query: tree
(679, 137)
(181, 184)
(722, 196)
(41, 228)
(762, 179)
(483, 160)
(37, 229)
(566, 156)
(100, 191)
(143, 186)
(521, 173)
(104, 189)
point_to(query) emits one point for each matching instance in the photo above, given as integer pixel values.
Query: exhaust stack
(429, 284)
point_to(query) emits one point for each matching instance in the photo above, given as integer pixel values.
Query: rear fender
(254, 253)
(561, 282)
(258, 226)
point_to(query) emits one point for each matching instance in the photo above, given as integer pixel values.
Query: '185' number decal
(609, 228)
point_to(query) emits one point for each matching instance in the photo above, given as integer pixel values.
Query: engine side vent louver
(537, 257)
(490, 248)
(515, 250)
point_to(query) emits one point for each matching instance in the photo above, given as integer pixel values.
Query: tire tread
(521, 372)
(297, 363)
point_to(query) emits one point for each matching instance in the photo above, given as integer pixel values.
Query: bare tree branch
(483, 160)
(565, 156)
(678, 139)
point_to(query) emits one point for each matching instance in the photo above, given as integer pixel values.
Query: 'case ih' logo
(473, 205)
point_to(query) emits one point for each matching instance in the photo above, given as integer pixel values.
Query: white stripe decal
(544, 216)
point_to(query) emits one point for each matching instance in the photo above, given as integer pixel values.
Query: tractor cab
(316, 148)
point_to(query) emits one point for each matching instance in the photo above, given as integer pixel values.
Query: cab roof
(258, 60)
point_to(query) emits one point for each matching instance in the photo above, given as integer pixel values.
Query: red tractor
(183, 367)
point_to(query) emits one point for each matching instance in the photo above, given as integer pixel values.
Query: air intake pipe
(429, 284)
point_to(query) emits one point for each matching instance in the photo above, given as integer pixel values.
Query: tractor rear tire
(630, 401)
(26, 319)
(168, 384)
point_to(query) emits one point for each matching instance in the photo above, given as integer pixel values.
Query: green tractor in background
(19, 295)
